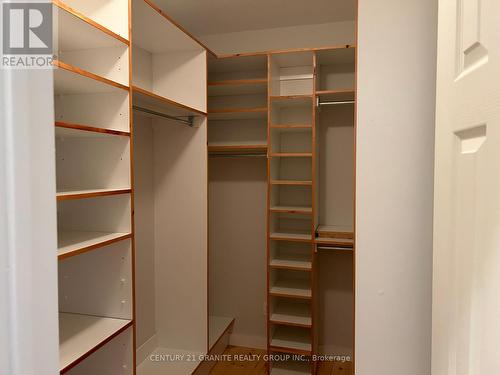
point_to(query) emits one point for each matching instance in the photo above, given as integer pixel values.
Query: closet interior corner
(203, 200)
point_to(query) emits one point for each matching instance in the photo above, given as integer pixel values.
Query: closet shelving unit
(94, 190)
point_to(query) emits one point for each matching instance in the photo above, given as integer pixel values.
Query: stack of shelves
(290, 210)
(92, 130)
(237, 102)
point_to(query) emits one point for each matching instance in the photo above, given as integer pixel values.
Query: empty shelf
(291, 368)
(218, 325)
(69, 79)
(291, 155)
(238, 87)
(237, 113)
(237, 149)
(78, 32)
(292, 261)
(68, 130)
(149, 100)
(290, 313)
(291, 182)
(291, 288)
(291, 126)
(291, 338)
(336, 95)
(347, 243)
(292, 209)
(291, 101)
(335, 231)
(290, 236)
(80, 194)
(81, 335)
(72, 243)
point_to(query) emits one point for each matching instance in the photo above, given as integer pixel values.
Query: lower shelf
(72, 243)
(81, 335)
(290, 313)
(291, 288)
(217, 326)
(291, 339)
(169, 361)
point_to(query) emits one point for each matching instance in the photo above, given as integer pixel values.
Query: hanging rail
(337, 102)
(188, 120)
(323, 247)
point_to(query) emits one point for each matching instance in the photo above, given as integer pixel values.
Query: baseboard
(146, 349)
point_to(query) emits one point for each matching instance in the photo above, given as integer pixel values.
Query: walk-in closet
(205, 193)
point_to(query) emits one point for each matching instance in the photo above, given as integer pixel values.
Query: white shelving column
(94, 190)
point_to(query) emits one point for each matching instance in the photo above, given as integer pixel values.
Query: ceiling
(205, 17)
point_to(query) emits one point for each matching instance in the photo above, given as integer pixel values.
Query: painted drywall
(395, 150)
(237, 264)
(319, 35)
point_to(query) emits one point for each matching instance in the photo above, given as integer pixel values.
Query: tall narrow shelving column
(290, 211)
(93, 166)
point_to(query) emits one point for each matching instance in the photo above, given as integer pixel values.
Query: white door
(466, 300)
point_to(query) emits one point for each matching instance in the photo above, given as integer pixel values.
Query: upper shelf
(69, 79)
(155, 32)
(336, 95)
(78, 32)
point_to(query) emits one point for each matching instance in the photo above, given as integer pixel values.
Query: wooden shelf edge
(96, 347)
(290, 97)
(84, 73)
(296, 126)
(331, 92)
(176, 24)
(291, 50)
(291, 155)
(293, 268)
(61, 5)
(289, 210)
(291, 182)
(165, 100)
(238, 82)
(237, 110)
(92, 194)
(290, 324)
(68, 125)
(282, 349)
(288, 295)
(96, 246)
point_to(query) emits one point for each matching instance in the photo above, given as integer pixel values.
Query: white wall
(395, 146)
(319, 35)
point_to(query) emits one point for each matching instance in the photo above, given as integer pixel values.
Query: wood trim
(277, 209)
(292, 268)
(97, 347)
(238, 82)
(165, 100)
(330, 92)
(291, 155)
(84, 73)
(290, 324)
(102, 193)
(291, 182)
(291, 50)
(292, 126)
(176, 24)
(234, 149)
(86, 249)
(61, 5)
(287, 295)
(291, 97)
(237, 110)
(281, 349)
(290, 239)
(87, 128)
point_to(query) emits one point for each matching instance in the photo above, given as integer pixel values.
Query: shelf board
(291, 288)
(218, 326)
(289, 236)
(237, 87)
(91, 193)
(71, 243)
(292, 313)
(291, 368)
(336, 95)
(81, 335)
(237, 149)
(237, 113)
(78, 32)
(335, 231)
(346, 243)
(155, 102)
(291, 126)
(90, 130)
(69, 79)
(291, 101)
(292, 339)
(291, 182)
(291, 155)
(291, 262)
(292, 209)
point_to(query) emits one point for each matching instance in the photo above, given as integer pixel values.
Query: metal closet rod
(189, 121)
(340, 102)
(335, 248)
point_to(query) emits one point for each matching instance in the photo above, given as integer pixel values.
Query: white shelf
(290, 236)
(292, 261)
(82, 334)
(180, 367)
(75, 242)
(291, 288)
(292, 209)
(291, 368)
(90, 193)
(292, 338)
(217, 326)
(293, 313)
(76, 33)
